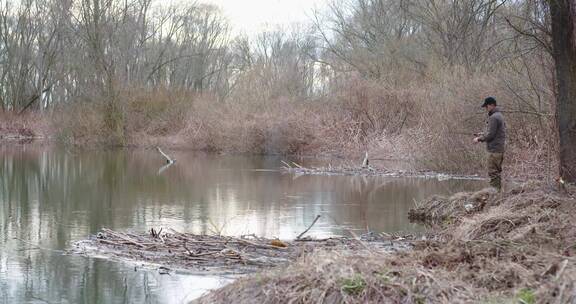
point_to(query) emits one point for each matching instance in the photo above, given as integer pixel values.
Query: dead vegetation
(345, 124)
(350, 170)
(217, 254)
(442, 210)
(515, 247)
(24, 126)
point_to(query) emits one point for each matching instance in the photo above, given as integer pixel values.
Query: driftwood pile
(215, 254)
(294, 168)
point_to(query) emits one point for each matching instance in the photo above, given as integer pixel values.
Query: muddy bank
(512, 247)
(170, 250)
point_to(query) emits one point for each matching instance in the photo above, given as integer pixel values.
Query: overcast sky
(251, 16)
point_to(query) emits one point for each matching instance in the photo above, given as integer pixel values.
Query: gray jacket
(495, 136)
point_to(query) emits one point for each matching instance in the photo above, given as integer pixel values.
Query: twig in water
(309, 227)
(168, 159)
(297, 165)
(366, 161)
(286, 165)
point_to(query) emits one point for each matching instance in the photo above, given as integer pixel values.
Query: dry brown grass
(81, 124)
(345, 277)
(516, 247)
(187, 120)
(459, 272)
(442, 210)
(27, 125)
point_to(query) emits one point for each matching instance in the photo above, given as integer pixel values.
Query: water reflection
(51, 197)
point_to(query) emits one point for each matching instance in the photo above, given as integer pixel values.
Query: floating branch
(286, 165)
(366, 161)
(168, 159)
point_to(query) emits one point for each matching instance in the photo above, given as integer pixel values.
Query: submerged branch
(308, 229)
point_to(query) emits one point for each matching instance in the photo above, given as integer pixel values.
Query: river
(51, 197)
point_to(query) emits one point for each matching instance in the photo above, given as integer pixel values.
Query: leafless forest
(401, 79)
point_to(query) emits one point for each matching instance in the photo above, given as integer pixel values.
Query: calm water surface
(52, 197)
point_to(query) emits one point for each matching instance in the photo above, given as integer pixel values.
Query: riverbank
(25, 127)
(518, 246)
(388, 121)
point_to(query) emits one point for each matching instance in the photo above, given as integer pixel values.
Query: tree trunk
(563, 15)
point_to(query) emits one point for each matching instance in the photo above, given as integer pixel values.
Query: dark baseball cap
(489, 101)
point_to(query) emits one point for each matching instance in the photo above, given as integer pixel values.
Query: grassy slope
(507, 248)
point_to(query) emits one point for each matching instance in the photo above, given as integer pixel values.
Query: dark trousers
(495, 161)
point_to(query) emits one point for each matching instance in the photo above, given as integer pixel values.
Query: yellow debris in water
(278, 243)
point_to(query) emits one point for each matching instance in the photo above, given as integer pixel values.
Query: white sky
(252, 16)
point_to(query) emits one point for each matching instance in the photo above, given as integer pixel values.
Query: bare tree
(277, 63)
(19, 32)
(367, 36)
(461, 31)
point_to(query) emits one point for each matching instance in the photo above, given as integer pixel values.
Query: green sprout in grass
(353, 286)
(526, 296)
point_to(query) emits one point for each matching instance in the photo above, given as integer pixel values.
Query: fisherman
(495, 139)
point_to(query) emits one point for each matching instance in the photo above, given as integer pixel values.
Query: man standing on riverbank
(495, 139)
